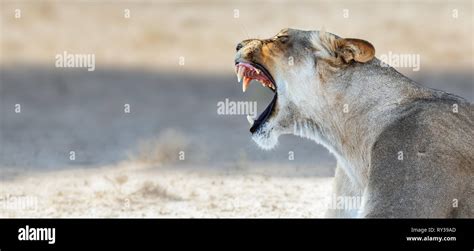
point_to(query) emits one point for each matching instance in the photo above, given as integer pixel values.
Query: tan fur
(339, 95)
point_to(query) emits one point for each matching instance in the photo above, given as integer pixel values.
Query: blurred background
(74, 149)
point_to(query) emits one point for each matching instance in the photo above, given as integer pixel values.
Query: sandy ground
(134, 190)
(127, 165)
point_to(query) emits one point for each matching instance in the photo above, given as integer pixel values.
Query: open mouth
(246, 72)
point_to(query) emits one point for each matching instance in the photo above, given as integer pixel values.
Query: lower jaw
(263, 118)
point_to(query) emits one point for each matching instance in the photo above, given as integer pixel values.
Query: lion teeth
(248, 74)
(246, 83)
(250, 120)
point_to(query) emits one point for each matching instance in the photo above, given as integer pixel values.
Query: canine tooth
(240, 73)
(258, 71)
(245, 83)
(250, 120)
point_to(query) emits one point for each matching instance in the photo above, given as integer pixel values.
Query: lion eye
(282, 38)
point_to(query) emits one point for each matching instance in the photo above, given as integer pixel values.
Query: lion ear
(354, 49)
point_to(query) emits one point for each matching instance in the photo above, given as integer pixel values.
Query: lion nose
(239, 46)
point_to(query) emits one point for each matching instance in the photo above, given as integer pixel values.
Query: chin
(266, 137)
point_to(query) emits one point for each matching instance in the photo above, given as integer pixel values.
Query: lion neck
(352, 109)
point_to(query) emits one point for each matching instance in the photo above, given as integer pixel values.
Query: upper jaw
(248, 71)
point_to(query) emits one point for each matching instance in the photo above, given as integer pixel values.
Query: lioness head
(295, 65)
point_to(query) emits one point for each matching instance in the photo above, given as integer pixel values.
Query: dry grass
(153, 190)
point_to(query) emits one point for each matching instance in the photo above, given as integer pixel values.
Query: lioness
(406, 150)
